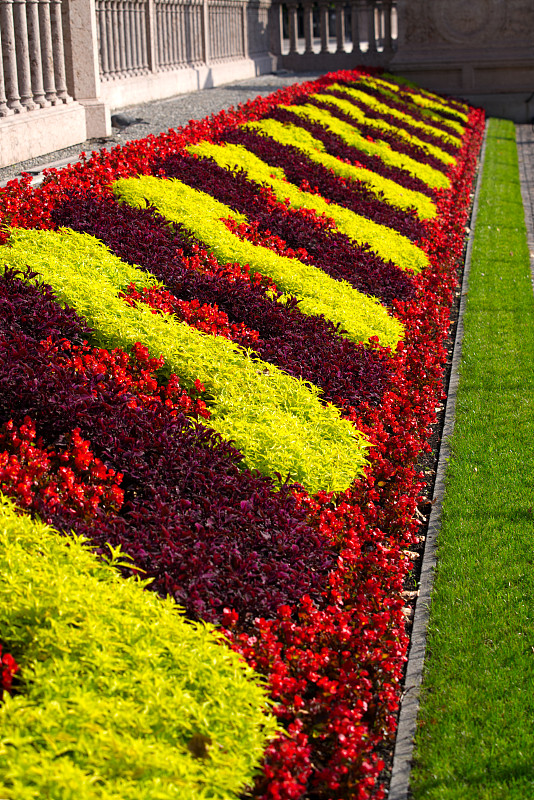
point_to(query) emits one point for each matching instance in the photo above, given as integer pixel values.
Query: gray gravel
(164, 114)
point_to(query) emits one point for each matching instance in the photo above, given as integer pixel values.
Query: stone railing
(32, 67)
(136, 37)
(333, 35)
(65, 63)
(155, 48)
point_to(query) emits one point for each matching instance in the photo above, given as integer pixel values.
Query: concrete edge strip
(526, 191)
(404, 746)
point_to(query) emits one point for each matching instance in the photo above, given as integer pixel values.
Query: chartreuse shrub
(425, 102)
(385, 242)
(393, 193)
(120, 696)
(318, 293)
(383, 108)
(381, 125)
(277, 421)
(432, 177)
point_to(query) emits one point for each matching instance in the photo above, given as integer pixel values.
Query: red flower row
(335, 665)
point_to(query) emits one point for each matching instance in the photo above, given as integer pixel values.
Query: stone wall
(481, 50)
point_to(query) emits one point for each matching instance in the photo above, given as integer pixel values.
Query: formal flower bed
(222, 354)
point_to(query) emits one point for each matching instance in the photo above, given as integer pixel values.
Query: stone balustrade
(32, 67)
(334, 35)
(65, 63)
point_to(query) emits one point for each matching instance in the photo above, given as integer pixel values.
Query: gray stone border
(524, 135)
(402, 759)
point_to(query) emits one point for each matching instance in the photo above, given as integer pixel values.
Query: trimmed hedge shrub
(252, 401)
(119, 697)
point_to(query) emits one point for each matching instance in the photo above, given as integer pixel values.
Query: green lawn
(476, 727)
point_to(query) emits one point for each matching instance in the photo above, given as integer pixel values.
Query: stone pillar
(355, 25)
(59, 51)
(371, 30)
(205, 33)
(340, 26)
(323, 25)
(388, 42)
(36, 61)
(23, 55)
(275, 29)
(9, 54)
(4, 110)
(308, 27)
(82, 64)
(293, 28)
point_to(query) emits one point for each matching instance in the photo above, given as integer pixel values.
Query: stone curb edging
(404, 746)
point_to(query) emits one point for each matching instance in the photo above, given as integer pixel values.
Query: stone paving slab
(161, 115)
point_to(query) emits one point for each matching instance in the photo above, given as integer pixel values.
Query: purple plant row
(209, 531)
(349, 194)
(309, 347)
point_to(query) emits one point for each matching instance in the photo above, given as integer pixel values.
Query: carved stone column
(59, 51)
(371, 30)
(355, 25)
(323, 21)
(388, 42)
(9, 53)
(23, 55)
(308, 27)
(340, 27)
(36, 62)
(4, 110)
(293, 28)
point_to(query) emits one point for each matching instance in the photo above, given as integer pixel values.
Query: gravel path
(161, 115)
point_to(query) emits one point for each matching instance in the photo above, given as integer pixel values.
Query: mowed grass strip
(476, 726)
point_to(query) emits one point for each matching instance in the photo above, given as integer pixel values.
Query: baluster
(115, 39)
(170, 45)
(34, 41)
(323, 24)
(163, 51)
(308, 27)
(4, 110)
(230, 41)
(23, 54)
(355, 25)
(123, 34)
(233, 40)
(10, 56)
(127, 17)
(388, 11)
(178, 23)
(340, 27)
(244, 30)
(174, 35)
(59, 52)
(180, 33)
(371, 35)
(47, 53)
(379, 25)
(140, 39)
(135, 43)
(225, 31)
(293, 30)
(109, 38)
(103, 49)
